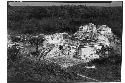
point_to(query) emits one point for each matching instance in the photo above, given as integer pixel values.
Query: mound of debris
(88, 43)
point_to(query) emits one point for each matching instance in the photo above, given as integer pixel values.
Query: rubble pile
(87, 44)
(58, 44)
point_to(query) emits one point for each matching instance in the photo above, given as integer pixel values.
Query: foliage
(62, 18)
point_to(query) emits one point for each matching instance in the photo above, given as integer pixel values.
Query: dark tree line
(48, 19)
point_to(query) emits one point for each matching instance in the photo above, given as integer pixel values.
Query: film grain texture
(64, 41)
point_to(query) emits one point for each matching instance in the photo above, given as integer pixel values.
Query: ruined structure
(87, 44)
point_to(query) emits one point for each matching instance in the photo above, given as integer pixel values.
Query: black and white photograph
(64, 41)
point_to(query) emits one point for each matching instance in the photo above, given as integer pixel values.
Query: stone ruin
(83, 46)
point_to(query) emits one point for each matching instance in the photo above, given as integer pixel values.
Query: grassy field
(24, 69)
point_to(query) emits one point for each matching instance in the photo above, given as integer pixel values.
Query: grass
(106, 70)
(24, 69)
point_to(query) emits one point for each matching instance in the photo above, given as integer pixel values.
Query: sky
(112, 4)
